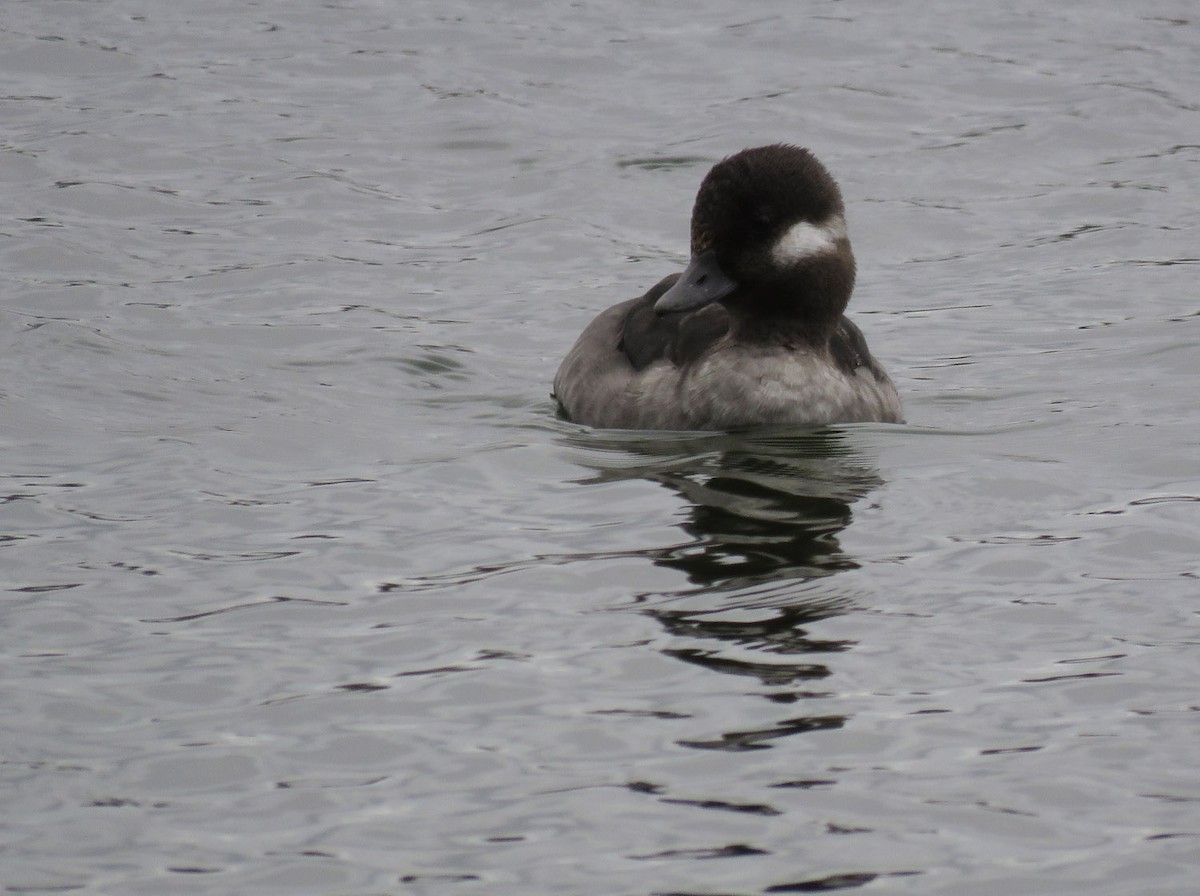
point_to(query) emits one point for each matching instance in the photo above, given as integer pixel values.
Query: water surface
(306, 589)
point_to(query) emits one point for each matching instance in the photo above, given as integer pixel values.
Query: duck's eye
(761, 221)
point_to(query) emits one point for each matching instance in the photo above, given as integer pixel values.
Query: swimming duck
(752, 332)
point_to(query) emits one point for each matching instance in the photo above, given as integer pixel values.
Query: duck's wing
(647, 337)
(849, 348)
(603, 380)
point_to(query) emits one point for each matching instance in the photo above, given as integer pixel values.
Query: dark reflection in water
(737, 741)
(763, 513)
(763, 507)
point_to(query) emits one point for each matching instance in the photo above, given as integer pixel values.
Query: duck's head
(768, 240)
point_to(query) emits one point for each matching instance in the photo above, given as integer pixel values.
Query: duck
(753, 331)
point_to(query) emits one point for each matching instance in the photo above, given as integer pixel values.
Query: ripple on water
(307, 589)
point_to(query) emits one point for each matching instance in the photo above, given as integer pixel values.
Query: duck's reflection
(763, 513)
(761, 508)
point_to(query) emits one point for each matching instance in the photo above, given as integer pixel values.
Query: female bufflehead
(752, 332)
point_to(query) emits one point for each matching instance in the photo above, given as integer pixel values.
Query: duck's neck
(787, 316)
(788, 330)
(802, 307)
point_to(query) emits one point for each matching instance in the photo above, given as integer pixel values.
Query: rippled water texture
(306, 590)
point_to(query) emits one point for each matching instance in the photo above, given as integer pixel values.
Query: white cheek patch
(805, 240)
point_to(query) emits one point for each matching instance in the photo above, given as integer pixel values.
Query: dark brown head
(769, 240)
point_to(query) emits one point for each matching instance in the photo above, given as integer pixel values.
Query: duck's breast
(740, 385)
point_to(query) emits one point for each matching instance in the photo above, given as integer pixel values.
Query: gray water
(305, 589)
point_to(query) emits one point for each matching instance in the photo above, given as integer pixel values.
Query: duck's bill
(701, 283)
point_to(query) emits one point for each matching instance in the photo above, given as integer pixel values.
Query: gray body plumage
(732, 386)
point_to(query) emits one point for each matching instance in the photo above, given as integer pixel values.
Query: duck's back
(623, 370)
